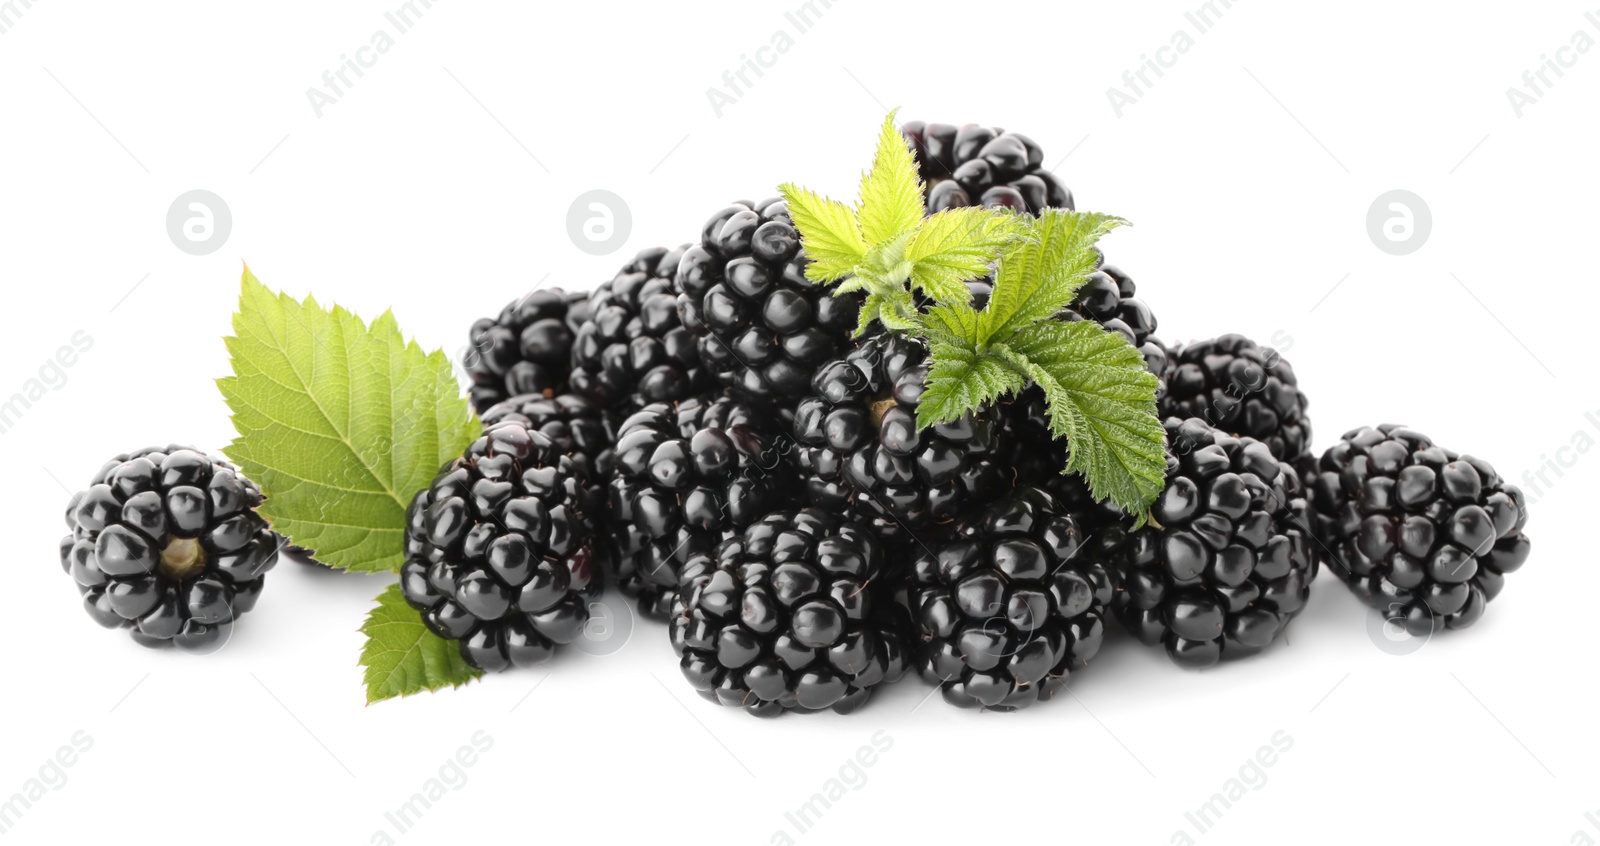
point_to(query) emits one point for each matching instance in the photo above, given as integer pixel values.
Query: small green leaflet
(1100, 397)
(402, 657)
(887, 248)
(339, 422)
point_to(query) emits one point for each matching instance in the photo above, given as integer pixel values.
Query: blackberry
(973, 165)
(500, 555)
(796, 613)
(1226, 562)
(527, 349)
(1244, 389)
(635, 350)
(166, 543)
(859, 445)
(1421, 533)
(687, 478)
(761, 327)
(1012, 605)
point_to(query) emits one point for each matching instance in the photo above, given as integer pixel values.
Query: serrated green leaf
(956, 245)
(832, 237)
(1040, 274)
(402, 657)
(339, 422)
(952, 323)
(891, 192)
(961, 380)
(1102, 400)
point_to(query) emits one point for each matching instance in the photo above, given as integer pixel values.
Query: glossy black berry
(1244, 389)
(859, 447)
(795, 613)
(167, 544)
(1012, 605)
(687, 478)
(500, 555)
(761, 326)
(527, 349)
(974, 165)
(579, 428)
(1423, 534)
(634, 349)
(1226, 562)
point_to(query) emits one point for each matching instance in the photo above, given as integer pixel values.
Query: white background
(439, 185)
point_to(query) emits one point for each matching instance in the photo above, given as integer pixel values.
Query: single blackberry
(974, 165)
(859, 445)
(1012, 605)
(687, 478)
(527, 349)
(1244, 389)
(1226, 562)
(167, 544)
(796, 613)
(1419, 532)
(499, 553)
(761, 327)
(635, 350)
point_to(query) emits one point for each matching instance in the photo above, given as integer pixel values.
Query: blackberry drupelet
(527, 349)
(167, 544)
(859, 445)
(1227, 562)
(1109, 298)
(635, 350)
(795, 613)
(500, 555)
(761, 327)
(1012, 605)
(687, 478)
(1419, 532)
(974, 165)
(1244, 389)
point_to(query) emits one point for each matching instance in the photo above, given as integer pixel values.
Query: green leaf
(891, 192)
(828, 227)
(961, 380)
(1040, 275)
(1102, 400)
(402, 656)
(955, 245)
(341, 423)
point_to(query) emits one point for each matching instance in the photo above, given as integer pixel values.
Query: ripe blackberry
(1419, 532)
(1244, 389)
(687, 478)
(974, 165)
(796, 613)
(634, 350)
(761, 327)
(859, 445)
(1227, 561)
(167, 544)
(1012, 605)
(499, 552)
(527, 349)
